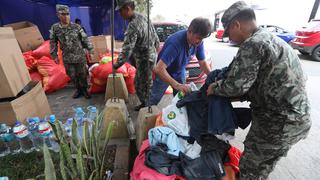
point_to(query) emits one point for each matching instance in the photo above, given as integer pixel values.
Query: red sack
(54, 76)
(141, 172)
(36, 76)
(30, 61)
(44, 50)
(130, 78)
(95, 88)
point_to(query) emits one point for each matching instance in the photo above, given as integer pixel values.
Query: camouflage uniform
(268, 72)
(137, 45)
(72, 40)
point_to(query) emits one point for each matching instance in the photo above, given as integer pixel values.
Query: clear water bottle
(79, 117)
(68, 127)
(53, 139)
(22, 134)
(47, 135)
(35, 136)
(91, 116)
(4, 147)
(9, 137)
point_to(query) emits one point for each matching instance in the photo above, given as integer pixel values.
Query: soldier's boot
(86, 94)
(137, 108)
(77, 94)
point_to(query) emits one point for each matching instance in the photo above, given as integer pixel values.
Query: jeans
(159, 87)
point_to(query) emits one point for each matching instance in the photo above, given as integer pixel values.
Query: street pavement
(303, 160)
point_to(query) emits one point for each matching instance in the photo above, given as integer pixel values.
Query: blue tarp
(94, 14)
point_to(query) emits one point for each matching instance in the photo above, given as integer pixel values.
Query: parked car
(307, 40)
(193, 71)
(280, 32)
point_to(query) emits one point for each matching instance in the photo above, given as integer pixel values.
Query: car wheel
(316, 54)
(303, 52)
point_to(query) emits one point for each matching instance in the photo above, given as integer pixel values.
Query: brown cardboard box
(101, 44)
(118, 45)
(27, 34)
(33, 103)
(14, 74)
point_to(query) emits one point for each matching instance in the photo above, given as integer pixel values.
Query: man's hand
(56, 60)
(210, 89)
(183, 88)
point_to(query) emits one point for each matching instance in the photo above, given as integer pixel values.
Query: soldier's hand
(56, 60)
(183, 88)
(210, 90)
(115, 66)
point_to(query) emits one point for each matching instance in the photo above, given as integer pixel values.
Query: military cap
(121, 3)
(62, 8)
(231, 13)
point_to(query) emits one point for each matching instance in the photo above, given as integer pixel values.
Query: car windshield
(313, 25)
(165, 30)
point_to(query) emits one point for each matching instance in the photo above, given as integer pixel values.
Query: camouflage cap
(231, 13)
(62, 8)
(121, 3)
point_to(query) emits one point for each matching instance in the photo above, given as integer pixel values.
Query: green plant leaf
(67, 155)
(86, 137)
(79, 162)
(106, 141)
(92, 174)
(49, 170)
(62, 166)
(75, 139)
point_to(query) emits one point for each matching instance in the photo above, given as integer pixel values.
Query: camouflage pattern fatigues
(72, 40)
(137, 45)
(268, 72)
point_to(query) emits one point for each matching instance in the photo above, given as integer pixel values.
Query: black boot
(86, 94)
(137, 108)
(77, 94)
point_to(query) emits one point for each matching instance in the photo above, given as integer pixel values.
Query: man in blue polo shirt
(175, 55)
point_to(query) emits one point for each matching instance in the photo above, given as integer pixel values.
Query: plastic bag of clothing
(141, 172)
(176, 118)
(54, 75)
(36, 76)
(30, 61)
(42, 50)
(129, 79)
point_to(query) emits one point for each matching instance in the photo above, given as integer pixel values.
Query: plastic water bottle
(35, 136)
(79, 117)
(91, 116)
(9, 137)
(68, 127)
(4, 147)
(47, 135)
(22, 133)
(54, 144)
(193, 86)
(92, 113)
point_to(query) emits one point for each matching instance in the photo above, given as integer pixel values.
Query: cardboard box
(118, 45)
(27, 34)
(33, 103)
(14, 75)
(101, 44)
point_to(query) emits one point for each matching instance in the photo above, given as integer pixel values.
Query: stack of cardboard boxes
(20, 97)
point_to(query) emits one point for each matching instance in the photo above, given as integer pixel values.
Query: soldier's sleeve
(85, 40)
(129, 43)
(53, 43)
(242, 72)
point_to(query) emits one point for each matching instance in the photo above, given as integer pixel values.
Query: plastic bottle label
(22, 133)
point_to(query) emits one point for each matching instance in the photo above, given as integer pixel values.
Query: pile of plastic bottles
(31, 137)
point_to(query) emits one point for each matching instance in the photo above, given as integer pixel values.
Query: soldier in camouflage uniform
(136, 44)
(72, 40)
(268, 73)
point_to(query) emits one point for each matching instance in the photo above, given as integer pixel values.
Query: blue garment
(165, 135)
(159, 87)
(176, 53)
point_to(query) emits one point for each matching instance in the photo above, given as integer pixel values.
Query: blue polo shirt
(176, 53)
